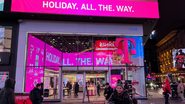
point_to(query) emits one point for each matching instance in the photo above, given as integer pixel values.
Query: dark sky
(172, 16)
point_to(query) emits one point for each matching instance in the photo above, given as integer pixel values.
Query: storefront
(100, 58)
(57, 52)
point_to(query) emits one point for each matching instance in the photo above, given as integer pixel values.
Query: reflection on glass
(51, 83)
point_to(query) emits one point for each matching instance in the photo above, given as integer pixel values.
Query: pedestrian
(69, 86)
(107, 91)
(76, 88)
(119, 82)
(7, 95)
(42, 89)
(35, 95)
(98, 88)
(166, 90)
(120, 96)
(180, 90)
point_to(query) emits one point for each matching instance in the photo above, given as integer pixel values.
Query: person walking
(98, 88)
(35, 95)
(76, 88)
(120, 96)
(166, 90)
(180, 90)
(7, 95)
(69, 86)
(107, 92)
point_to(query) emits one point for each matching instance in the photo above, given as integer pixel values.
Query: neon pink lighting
(35, 53)
(53, 57)
(34, 75)
(114, 79)
(108, 8)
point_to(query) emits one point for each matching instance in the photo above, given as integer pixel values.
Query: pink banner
(108, 8)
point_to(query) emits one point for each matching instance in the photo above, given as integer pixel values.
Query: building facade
(60, 42)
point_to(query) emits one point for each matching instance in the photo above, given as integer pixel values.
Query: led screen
(122, 51)
(108, 8)
(35, 52)
(179, 58)
(53, 57)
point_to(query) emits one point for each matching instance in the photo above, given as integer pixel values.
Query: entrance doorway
(82, 87)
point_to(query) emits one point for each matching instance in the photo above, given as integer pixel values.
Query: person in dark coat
(120, 96)
(69, 86)
(7, 93)
(76, 88)
(35, 95)
(98, 88)
(107, 91)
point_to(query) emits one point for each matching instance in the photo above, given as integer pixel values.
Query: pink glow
(53, 57)
(35, 52)
(34, 75)
(114, 79)
(107, 8)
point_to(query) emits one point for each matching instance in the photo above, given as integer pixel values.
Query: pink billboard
(105, 8)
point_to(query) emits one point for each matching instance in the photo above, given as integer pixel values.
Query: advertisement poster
(179, 58)
(108, 8)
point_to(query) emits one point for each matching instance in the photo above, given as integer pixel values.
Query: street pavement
(154, 97)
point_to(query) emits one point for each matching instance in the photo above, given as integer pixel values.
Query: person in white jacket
(180, 90)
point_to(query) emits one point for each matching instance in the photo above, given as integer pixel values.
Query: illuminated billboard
(179, 58)
(108, 8)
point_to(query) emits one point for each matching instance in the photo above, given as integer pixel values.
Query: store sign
(1, 5)
(105, 45)
(108, 8)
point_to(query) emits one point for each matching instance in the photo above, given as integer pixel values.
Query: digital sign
(122, 51)
(107, 8)
(179, 58)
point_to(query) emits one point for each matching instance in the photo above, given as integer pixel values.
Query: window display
(47, 55)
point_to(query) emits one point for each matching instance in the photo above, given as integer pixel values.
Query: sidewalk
(155, 98)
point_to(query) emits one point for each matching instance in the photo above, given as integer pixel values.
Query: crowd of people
(167, 90)
(7, 95)
(119, 95)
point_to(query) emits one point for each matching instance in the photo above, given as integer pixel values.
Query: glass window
(5, 39)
